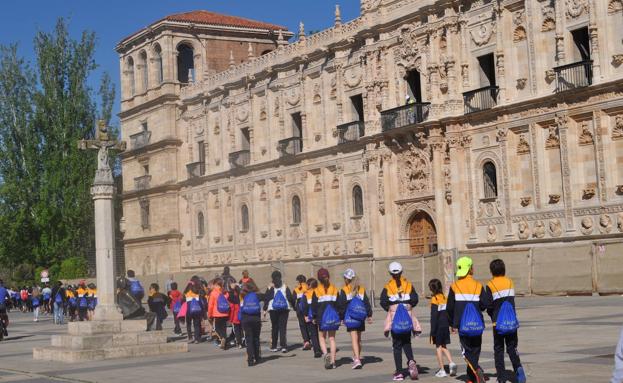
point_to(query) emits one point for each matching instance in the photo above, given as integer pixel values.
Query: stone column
(102, 193)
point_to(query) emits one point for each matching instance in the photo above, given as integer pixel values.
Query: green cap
(463, 265)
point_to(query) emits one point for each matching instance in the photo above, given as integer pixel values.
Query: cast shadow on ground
(488, 376)
(365, 360)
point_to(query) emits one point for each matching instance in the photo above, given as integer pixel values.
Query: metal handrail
(404, 115)
(350, 132)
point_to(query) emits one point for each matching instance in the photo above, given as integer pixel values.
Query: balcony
(572, 76)
(481, 99)
(196, 169)
(141, 139)
(142, 183)
(350, 132)
(240, 158)
(290, 146)
(405, 115)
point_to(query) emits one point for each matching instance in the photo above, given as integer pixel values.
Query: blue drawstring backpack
(402, 323)
(58, 299)
(92, 303)
(300, 305)
(177, 306)
(35, 302)
(251, 305)
(507, 322)
(357, 309)
(351, 323)
(194, 307)
(222, 305)
(83, 303)
(136, 289)
(46, 297)
(72, 302)
(471, 321)
(330, 319)
(279, 301)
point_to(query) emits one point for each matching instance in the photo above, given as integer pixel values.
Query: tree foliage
(46, 212)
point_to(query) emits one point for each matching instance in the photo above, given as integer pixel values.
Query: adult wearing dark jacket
(59, 298)
(251, 323)
(278, 315)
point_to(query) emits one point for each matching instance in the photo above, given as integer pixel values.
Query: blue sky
(112, 20)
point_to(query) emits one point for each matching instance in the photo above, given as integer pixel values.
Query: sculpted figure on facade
(555, 228)
(414, 171)
(617, 129)
(605, 224)
(587, 225)
(523, 230)
(539, 229)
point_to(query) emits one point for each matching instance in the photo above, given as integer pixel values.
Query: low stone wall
(579, 269)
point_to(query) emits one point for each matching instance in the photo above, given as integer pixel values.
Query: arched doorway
(422, 234)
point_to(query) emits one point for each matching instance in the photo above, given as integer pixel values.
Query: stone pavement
(562, 339)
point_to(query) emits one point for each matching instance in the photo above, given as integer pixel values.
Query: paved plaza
(562, 339)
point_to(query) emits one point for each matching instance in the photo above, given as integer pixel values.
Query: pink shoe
(413, 372)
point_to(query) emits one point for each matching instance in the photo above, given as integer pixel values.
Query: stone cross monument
(108, 336)
(103, 190)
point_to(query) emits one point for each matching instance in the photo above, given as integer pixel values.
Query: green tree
(46, 212)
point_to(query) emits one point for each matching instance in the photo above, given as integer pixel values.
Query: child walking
(311, 324)
(278, 302)
(157, 303)
(175, 299)
(501, 289)
(355, 309)
(396, 292)
(467, 296)
(251, 321)
(323, 299)
(440, 328)
(299, 293)
(218, 312)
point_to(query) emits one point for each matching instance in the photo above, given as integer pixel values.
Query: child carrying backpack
(136, 289)
(157, 303)
(440, 327)
(235, 338)
(399, 298)
(251, 321)
(355, 309)
(310, 323)
(466, 301)
(278, 302)
(325, 313)
(299, 292)
(218, 311)
(501, 297)
(175, 299)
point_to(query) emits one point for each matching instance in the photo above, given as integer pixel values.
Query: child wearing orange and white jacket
(220, 318)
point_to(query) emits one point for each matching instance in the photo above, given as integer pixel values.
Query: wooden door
(422, 235)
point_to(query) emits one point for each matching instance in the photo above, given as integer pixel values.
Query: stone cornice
(168, 142)
(155, 102)
(155, 190)
(153, 238)
(353, 257)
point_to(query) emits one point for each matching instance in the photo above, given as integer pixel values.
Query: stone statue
(103, 143)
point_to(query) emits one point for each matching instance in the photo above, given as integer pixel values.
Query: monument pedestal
(99, 340)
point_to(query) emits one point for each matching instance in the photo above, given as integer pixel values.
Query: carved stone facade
(265, 161)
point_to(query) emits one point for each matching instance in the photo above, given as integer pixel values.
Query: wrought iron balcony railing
(141, 139)
(350, 132)
(142, 182)
(240, 158)
(404, 115)
(481, 99)
(196, 169)
(576, 75)
(290, 146)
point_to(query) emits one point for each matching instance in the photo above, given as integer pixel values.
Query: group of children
(321, 309)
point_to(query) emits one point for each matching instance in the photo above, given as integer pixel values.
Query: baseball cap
(323, 273)
(349, 274)
(395, 268)
(463, 265)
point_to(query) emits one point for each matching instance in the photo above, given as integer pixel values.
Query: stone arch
(143, 67)
(130, 76)
(482, 159)
(158, 60)
(185, 62)
(410, 212)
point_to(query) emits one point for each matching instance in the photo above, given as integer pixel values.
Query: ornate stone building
(419, 130)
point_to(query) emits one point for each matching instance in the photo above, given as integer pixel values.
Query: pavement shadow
(9, 338)
(365, 360)
(488, 376)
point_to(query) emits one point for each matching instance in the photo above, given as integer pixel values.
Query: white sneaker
(452, 369)
(441, 374)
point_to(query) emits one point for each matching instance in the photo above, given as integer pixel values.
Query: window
(486, 65)
(296, 210)
(357, 201)
(202, 156)
(297, 131)
(130, 76)
(581, 41)
(159, 64)
(144, 71)
(357, 107)
(246, 139)
(185, 64)
(144, 204)
(200, 225)
(244, 215)
(414, 87)
(490, 180)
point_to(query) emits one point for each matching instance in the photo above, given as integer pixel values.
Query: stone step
(60, 354)
(106, 327)
(91, 342)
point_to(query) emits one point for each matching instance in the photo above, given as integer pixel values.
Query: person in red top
(175, 299)
(245, 278)
(220, 318)
(234, 309)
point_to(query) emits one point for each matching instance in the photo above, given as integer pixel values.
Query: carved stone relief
(586, 136)
(552, 141)
(482, 34)
(523, 147)
(615, 6)
(492, 233)
(539, 230)
(555, 228)
(549, 17)
(586, 225)
(523, 230)
(414, 171)
(605, 224)
(575, 8)
(617, 129)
